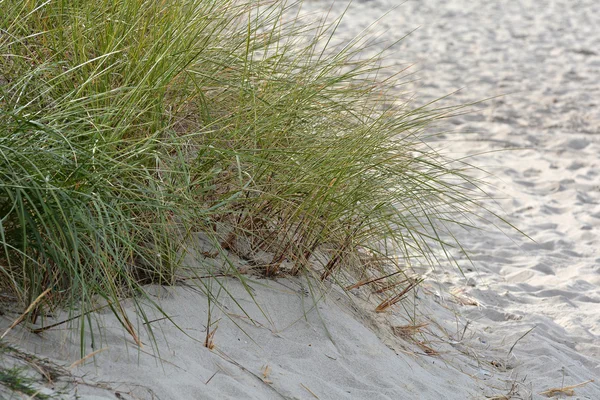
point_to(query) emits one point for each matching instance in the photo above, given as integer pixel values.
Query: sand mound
(524, 320)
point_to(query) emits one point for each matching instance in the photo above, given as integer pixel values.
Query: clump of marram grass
(124, 126)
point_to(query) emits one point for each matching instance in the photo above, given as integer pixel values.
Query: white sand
(545, 58)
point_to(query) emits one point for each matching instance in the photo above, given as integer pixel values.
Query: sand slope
(285, 354)
(543, 58)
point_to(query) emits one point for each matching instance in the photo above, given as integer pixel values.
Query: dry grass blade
(309, 391)
(390, 286)
(368, 281)
(126, 323)
(521, 337)
(512, 392)
(87, 357)
(396, 298)
(462, 299)
(212, 376)
(427, 349)
(266, 371)
(408, 331)
(27, 311)
(209, 340)
(566, 390)
(54, 325)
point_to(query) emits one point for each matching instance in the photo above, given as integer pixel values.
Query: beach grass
(126, 127)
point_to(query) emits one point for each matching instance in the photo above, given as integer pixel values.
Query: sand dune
(523, 319)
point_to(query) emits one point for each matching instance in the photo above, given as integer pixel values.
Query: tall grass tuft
(125, 126)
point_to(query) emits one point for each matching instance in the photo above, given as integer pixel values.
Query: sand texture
(524, 319)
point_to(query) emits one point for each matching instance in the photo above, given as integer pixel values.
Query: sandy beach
(522, 320)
